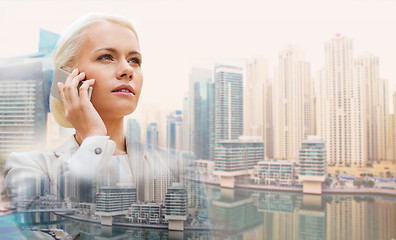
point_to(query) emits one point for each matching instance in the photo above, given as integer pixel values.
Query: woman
(104, 51)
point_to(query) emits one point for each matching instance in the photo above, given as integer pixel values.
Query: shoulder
(26, 159)
(35, 159)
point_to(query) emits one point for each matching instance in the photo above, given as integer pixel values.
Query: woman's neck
(115, 130)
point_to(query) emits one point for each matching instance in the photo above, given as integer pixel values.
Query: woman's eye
(135, 60)
(105, 57)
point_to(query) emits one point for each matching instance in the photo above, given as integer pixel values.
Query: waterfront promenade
(345, 190)
(84, 218)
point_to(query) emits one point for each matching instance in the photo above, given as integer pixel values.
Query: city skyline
(226, 103)
(226, 36)
(289, 97)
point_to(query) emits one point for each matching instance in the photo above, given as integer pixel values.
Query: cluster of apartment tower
(345, 103)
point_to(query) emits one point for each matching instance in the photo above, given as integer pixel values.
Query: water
(256, 214)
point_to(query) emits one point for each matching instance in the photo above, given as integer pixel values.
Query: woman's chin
(116, 111)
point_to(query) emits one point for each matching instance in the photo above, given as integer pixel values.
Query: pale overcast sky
(176, 35)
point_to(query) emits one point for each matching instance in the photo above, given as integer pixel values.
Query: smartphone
(60, 75)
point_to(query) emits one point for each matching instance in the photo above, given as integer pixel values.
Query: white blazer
(151, 171)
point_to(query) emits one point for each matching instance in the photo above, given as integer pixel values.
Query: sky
(179, 34)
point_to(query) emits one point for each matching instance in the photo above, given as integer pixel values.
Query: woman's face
(111, 55)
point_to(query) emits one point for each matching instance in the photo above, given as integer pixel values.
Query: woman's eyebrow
(134, 53)
(113, 50)
(106, 49)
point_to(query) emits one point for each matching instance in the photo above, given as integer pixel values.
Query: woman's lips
(124, 93)
(125, 90)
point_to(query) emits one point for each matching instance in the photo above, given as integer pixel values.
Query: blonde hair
(70, 44)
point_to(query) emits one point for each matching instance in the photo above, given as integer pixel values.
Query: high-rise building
(236, 157)
(176, 206)
(133, 130)
(112, 201)
(24, 96)
(312, 160)
(258, 103)
(174, 142)
(152, 136)
(293, 101)
(186, 121)
(375, 102)
(174, 130)
(390, 137)
(228, 102)
(23, 103)
(45, 186)
(342, 119)
(394, 127)
(212, 120)
(199, 110)
(154, 113)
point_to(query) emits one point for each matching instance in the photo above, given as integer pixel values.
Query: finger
(62, 94)
(76, 80)
(72, 91)
(67, 89)
(84, 89)
(72, 75)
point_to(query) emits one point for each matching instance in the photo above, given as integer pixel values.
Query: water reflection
(87, 230)
(249, 214)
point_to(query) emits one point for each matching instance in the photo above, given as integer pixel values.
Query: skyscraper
(152, 136)
(228, 102)
(199, 108)
(389, 137)
(394, 127)
(342, 116)
(212, 120)
(23, 104)
(293, 101)
(186, 121)
(174, 130)
(375, 102)
(25, 83)
(258, 103)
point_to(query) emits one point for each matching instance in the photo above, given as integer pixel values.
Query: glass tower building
(174, 130)
(25, 83)
(199, 129)
(23, 104)
(228, 102)
(152, 136)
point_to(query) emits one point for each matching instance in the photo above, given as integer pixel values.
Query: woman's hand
(79, 110)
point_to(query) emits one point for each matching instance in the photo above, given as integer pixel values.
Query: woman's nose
(126, 72)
